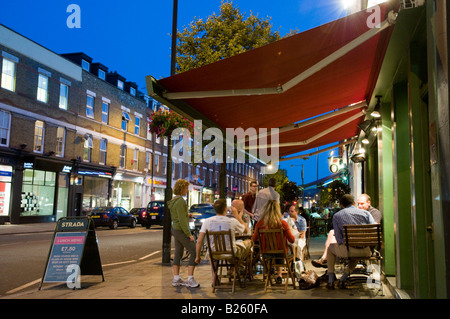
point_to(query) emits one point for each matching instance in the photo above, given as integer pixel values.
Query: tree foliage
(221, 36)
(281, 178)
(289, 192)
(332, 193)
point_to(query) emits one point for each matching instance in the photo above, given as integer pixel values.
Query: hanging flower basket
(163, 122)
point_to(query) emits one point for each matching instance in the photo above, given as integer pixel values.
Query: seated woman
(271, 219)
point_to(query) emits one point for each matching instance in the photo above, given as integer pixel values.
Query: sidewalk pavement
(150, 279)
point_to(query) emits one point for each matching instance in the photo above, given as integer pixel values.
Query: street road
(23, 257)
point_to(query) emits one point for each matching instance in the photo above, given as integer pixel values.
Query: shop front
(154, 188)
(208, 195)
(128, 191)
(96, 188)
(41, 190)
(5, 191)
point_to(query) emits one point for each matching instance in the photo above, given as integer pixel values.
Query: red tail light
(105, 215)
(144, 214)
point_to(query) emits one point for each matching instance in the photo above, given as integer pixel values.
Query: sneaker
(178, 282)
(191, 283)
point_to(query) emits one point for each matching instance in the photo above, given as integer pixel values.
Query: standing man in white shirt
(263, 196)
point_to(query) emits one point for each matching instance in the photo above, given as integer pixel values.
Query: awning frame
(294, 81)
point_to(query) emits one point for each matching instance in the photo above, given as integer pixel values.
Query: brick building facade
(74, 136)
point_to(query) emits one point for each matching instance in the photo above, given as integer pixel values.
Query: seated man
(349, 215)
(222, 222)
(364, 204)
(298, 228)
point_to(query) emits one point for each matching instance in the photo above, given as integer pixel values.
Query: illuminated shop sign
(97, 174)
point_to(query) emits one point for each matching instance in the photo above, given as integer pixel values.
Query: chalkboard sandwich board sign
(73, 252)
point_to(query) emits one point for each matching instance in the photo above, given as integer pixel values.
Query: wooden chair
(222, 255)
(360, 236)
(274, 255)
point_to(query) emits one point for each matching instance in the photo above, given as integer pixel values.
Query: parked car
(196, 207)
(113, 217)
(155, 214)
(198, 216)
(140, 214)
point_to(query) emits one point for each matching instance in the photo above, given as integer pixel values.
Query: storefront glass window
(38, 193)
(63, 195)
(95, 193)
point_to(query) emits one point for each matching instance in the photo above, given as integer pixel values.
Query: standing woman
(182, 235)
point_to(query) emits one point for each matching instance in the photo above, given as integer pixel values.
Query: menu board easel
(74, 247)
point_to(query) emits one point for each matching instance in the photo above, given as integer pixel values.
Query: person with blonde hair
(182, 235)
(270, 219)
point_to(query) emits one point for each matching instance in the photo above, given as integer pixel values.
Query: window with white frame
(120, 84)
(157, 163)
(9, 74)
(87, 149)
(90, 106)
(63, 96)
(148, 161)
(123, 155)
(42, 90)
(149, 134)
(136, 159)
(103, 147)
(5, 122)
(164, 163)
(85, 65)
(125, 120)
(39, 130)
(60, 141)
(101, 74)
(105, 112)
(137, 125)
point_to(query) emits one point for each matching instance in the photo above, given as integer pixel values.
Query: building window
(164, 163)
(105, 112)
(87, 149)
(103, 146)
(123, 156)
(148, 161)
(39, 130)
(101, 74)
(137, 124)
(133, 91)
(9, 75)
(63, 96)
(90, 106)
(157, 163)
(125, 120)
(60, 141)
(85, 65)
(136, 159)
(149, 134)
(42, 90)
(5, 122)
(120, 84)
